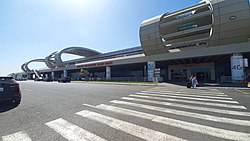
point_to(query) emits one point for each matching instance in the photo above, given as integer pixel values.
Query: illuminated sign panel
(95, 65)
(187, 26)
(237, 67)
(151, 71)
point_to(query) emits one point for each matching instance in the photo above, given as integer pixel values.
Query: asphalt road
(87, 111)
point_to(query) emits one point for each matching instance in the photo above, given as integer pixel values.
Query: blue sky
(32, 29)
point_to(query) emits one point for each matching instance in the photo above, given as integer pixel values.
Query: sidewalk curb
(116, 83)
(210, 85)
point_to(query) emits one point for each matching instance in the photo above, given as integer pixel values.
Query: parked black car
(9, 90)
(64, 80)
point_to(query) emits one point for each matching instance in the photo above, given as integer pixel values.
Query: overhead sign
(95, 64)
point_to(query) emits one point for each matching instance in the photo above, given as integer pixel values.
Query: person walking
(194, 82)
(189, 82)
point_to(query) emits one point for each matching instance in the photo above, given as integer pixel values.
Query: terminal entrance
(178, 75)
(202, 74)
(181, 73)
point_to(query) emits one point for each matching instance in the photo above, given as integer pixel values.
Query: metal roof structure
(54, 60)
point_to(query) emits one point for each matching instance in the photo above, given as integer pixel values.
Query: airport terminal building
(210, 39)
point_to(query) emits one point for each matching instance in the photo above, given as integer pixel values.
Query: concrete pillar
(237, 67)
(29, 76)
(145, 71)
(52, 75)
(65, 73)
(151, 71)
(108, 73)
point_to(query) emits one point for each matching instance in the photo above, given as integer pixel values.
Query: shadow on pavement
(6, 106)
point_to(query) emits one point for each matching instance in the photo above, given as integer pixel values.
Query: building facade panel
(232, 40)
(230, 8)
(243, 32)
(233, 17)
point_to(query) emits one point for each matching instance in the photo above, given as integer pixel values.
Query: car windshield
(6, 80)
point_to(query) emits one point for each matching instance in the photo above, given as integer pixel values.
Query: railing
(127, 79)
(228, 79)
(119, 79)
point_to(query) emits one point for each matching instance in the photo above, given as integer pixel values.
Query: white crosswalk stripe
(217, 132)
(190, 98)
(71, 131)
(187, 92)
(19, 136)
(136, 130)
(191, 102)
(184, 113)
(230, 112)
(190, 95)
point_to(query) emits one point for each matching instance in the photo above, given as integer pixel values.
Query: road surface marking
(133, 129)
(19, 136)
(207, 130)
(88, 105)
(72, 132)
(220, 111)
(241, 91)
(189, 92)
(190, 95)
(191, 98)
(191, 102)
(28, 90)
(184, 113)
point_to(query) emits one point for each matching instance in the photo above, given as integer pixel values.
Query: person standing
(194, 82)
(189, 82)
